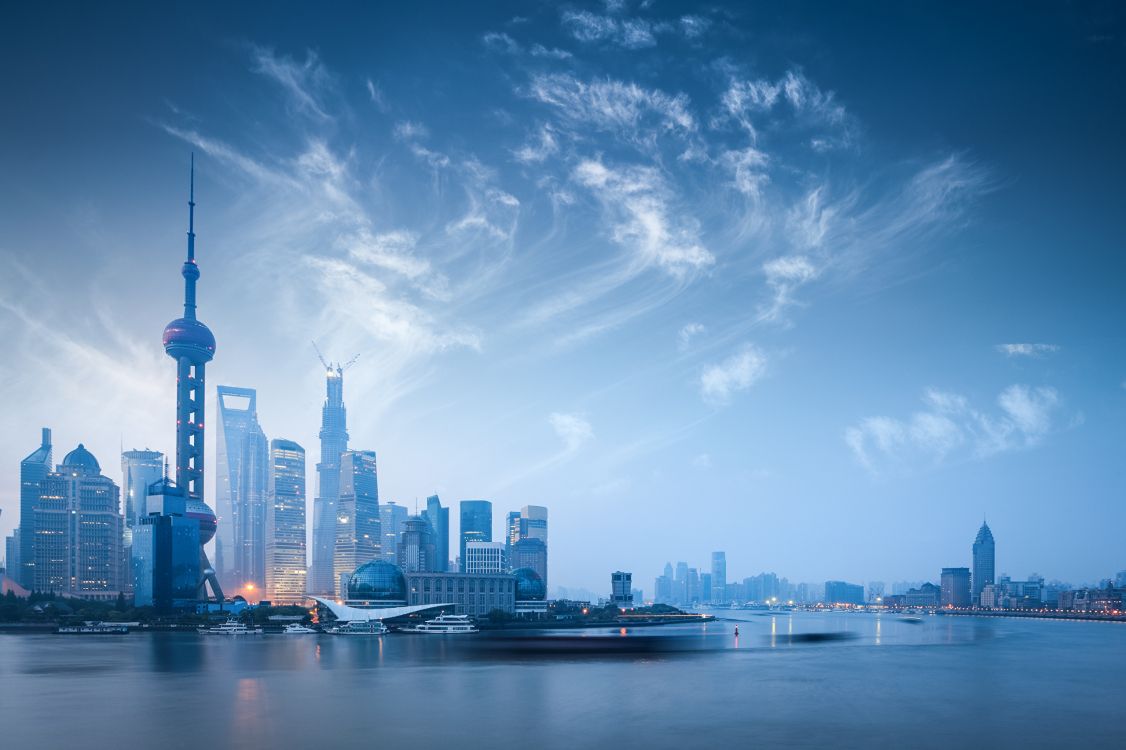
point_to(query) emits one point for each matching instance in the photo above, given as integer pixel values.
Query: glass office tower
(476, 525)
(285, 524)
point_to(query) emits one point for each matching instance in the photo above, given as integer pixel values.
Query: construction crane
(329, 365)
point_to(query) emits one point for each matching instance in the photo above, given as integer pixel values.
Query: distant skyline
(817, 286)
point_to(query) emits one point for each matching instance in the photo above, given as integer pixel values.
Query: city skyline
(525, 274)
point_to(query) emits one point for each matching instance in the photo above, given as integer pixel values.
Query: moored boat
(230, 627)
(445, 625)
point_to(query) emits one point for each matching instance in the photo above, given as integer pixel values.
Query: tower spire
(191, 270)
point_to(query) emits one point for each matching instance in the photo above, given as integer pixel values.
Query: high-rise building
(77, 520)
(956, 587)
(164, 573)
(476, 525)
(357, 517)
(439, 519)
(391, 520)
(511, 528)
(984, 562)
(334, 443)
(621, 589)
(485, 558)
(416, 550)
(285, 524)
(529, 553)
(719, 578)
(12, 567)
(242, 478)
(139, 471)
(33, 470)
(533, 522)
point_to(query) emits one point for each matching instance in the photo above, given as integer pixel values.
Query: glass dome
(377, 581)
(80, 458)
(529, 586)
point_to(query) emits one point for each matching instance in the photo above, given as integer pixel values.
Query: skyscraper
(178, 518)
(439, 519)
(139, 471)
(476, 525)
(511, 528)
(984, 562)
(242, 477)
(719, 578)
(416, 550)
(33, 470)
(357, 517)
(285, 524)
(78, 523)
(391, 520)
(334, 442)
(533, 522)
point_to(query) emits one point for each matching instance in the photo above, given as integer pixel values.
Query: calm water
(947, 682)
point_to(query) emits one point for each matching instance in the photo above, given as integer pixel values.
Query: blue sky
(819, 287)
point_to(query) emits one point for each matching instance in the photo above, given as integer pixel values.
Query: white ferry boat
(94, 628)
(230, 627)
(296, 628)
(359, 627)
(445, 625)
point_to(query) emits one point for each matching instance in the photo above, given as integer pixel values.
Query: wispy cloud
(573, 429)
(687, 333)
(1027, 350)
(639, 203)
(948, 424)
(611, 105)
(718, 382)
(304, 82)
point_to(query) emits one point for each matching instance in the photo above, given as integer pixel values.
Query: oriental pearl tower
(192, 345)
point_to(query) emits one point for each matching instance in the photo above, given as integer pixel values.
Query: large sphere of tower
(189, 338)
(202, 513)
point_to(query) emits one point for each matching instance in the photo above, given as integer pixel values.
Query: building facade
(285, 524)
(334, 443)
(621, 589)
(984, 562)
(476, 525)
(840, 592)
(33, 470)
(391, 520)
(470, 594)
(529, 553)
(485, 558)
(955, 587)
(357, 517)
(77, 520)
(416, 550)
(242, 478)
(718, 594)
(439, 519)
(140, 469)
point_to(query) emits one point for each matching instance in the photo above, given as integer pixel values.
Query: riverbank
(1093, 616)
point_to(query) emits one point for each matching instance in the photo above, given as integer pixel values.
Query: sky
(820, 286)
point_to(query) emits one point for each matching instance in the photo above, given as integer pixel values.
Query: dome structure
(529, 586)
(189, 338)
(82, 460)
(377, 582)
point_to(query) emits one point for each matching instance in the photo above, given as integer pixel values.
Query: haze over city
(813, 286)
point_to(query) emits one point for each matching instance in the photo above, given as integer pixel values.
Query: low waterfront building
(470, 594)
(927, 595)
(531, 592)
